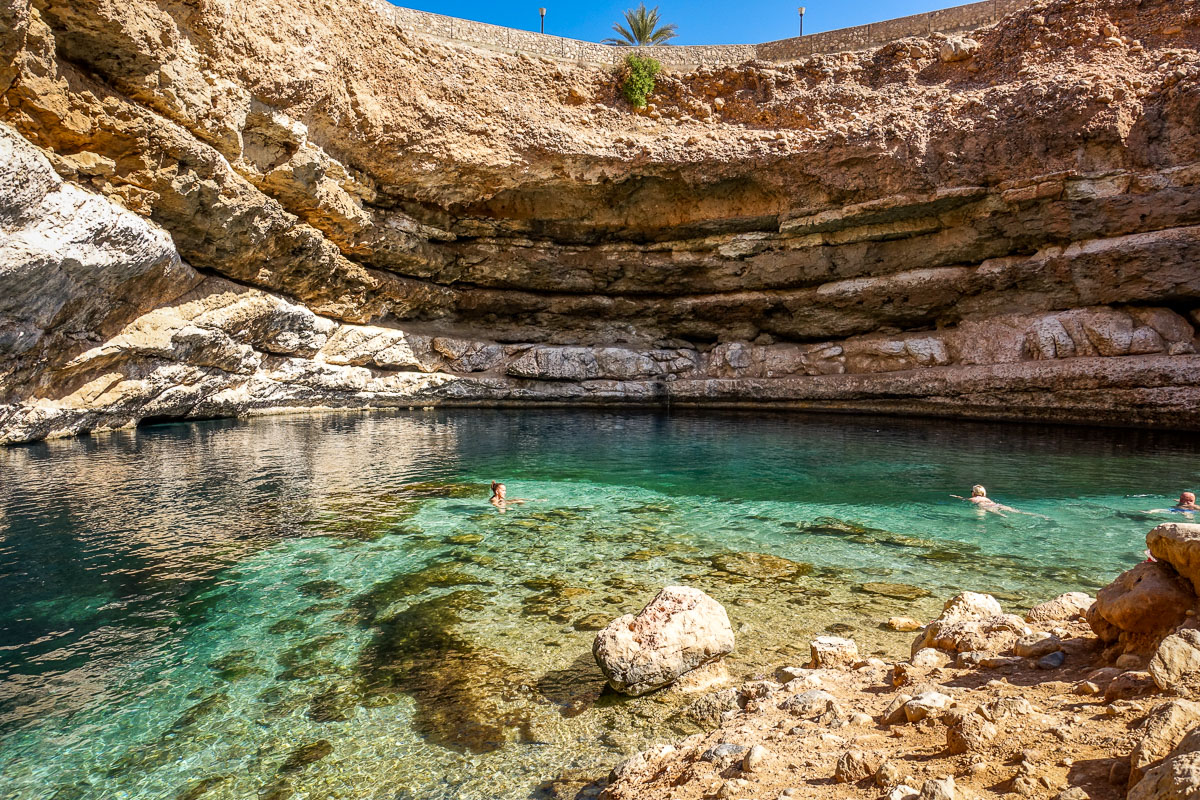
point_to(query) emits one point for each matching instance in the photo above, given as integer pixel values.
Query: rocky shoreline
(1081, 698)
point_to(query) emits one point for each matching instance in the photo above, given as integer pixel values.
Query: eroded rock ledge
(211, 212)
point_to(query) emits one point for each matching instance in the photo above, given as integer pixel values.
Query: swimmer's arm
(958, 497)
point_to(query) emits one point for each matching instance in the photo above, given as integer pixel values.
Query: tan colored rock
(972, 734)
(680, 629)
(903, 624)
(1164, 728)
(833, 652)
(1071, 605)
(1149, 598)
(856, 765)
(1179, 545)
(1175, 666)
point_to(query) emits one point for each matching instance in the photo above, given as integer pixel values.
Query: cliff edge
(213, 208)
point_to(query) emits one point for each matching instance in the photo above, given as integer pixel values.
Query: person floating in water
(500, 499)
(1186, 505)
(980, 500)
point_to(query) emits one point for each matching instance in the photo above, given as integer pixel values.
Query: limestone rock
(1177, 778)
(1164, 728)
(1178, 544)
(813, 703)
(972, 734)
(1129, 685)
(1037, 645)
(755, 757)
(930, 658)
(903, 624)
(855, 765)
(1176, 664)
(895, 711)
(522, 267)
(939, 789)
(640, 763)
(925, 705)
(957, 49)
(970, 605)
(1149, 598)
(832, 652)
(679, 630)
(1069, 606)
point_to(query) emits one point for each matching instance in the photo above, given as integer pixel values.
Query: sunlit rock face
(216, 209)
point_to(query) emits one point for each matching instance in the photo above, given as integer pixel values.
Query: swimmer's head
(498, 489)
(978, 491)
(1187, 498)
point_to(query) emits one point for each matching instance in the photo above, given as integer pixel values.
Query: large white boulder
(680, 629)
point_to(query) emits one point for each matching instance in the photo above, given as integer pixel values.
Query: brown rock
(1149, 598)
(1176, 663)
(1165, 727)
(1178, 544)
(1129, 685)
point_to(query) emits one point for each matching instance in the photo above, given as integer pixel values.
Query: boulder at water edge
(679, 630)
(971, 622)
(1150, 598)
(1179, 544)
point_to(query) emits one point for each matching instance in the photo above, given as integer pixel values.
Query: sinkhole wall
(210, 210)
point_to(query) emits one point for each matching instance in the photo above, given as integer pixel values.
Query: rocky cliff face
(214, 208)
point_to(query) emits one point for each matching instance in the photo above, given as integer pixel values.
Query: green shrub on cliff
(637, 78)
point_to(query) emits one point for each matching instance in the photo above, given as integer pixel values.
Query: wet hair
(978, 491)
(496, 486)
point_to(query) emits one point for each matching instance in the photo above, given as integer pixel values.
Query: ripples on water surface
(327, 606)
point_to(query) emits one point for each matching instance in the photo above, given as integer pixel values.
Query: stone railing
(512, 40)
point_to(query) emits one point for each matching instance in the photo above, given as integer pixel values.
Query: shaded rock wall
(220, 208)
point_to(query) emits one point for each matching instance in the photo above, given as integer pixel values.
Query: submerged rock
(306, 754)
(761, 566)
(679, 630)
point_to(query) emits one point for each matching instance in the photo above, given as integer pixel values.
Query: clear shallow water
(327, 607)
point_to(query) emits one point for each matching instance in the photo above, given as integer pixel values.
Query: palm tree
(643, 29)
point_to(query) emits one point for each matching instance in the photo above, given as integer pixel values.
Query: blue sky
(704, 22)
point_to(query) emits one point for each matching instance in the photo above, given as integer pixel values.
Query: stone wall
(512, 40)
(948, 20)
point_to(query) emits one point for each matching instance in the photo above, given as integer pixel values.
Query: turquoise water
(326, 606)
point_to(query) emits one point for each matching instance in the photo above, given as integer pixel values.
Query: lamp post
(801, 10)
(542, 12)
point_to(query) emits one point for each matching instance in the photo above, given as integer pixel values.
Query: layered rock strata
(214, 209)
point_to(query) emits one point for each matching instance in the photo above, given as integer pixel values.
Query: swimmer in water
(500, 499)
(1186, 505)
(980, 500)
